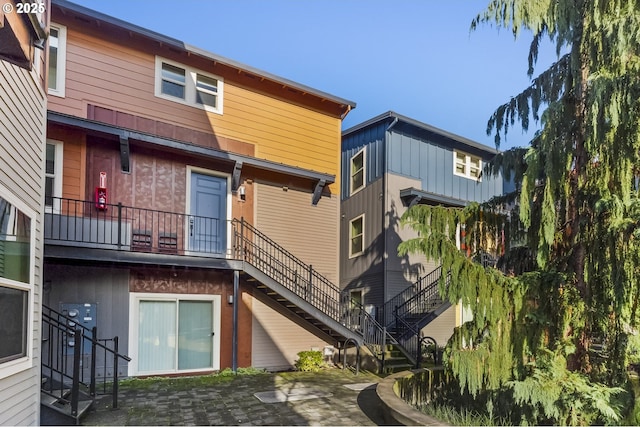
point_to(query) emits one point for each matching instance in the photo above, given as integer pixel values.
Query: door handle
(191, 220)
(213, 333)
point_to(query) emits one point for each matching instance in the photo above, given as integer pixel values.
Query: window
(357, 171)
(179, 83)
(356, 236)
(173, 81)
(467, 165)
(53, 176)
(17, 255)
(57, 59)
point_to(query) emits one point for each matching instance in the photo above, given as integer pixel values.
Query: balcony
(78, 224)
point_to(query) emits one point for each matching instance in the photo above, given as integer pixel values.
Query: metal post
(115, 373)
(384, 345)
(244, 254)
(234, 346)
(75, 387)
(119, 225)
(310, 284)
(94, 338)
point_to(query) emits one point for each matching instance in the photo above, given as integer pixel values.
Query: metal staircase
(76, 366)
(307, 293)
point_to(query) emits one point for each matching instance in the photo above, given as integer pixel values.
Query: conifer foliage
(569, 285)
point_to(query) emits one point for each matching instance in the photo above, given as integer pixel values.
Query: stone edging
(396, 410)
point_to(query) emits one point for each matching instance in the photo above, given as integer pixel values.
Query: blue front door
(208, 214)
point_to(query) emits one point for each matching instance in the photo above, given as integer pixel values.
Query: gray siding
(364, 271)
(372, 139)
(22, 139)
(429, 158)
(400, 272)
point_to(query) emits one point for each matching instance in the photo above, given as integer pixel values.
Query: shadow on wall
(384, 246)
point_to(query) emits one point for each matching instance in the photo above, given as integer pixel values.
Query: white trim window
(356, 236)
(179, 83)
(17, 278)
(357, 171)
(57, 59)
(466, 165)
(53, 176)
(173, 333)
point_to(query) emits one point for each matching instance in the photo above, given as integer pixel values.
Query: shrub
(309, 361)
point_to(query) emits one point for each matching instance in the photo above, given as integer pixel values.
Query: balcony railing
(81, 223)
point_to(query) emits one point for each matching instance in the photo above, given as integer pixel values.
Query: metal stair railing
(410, 292)
(423, 303)
(257, 249)
(71, 357)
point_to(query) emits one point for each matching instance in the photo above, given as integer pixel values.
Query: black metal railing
(75, 363)
(270, 258)
(410, 292)
(115, 226)
(420, 305)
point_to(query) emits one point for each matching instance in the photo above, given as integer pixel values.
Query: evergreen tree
(572, 280)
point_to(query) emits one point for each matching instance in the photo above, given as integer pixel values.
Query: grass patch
(187, 383)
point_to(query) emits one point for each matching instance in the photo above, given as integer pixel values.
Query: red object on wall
(101, 198)
(101, 193)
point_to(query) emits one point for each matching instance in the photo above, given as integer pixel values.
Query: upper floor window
(356, 236)
(57, 59)
(53, 176)
(189, 86)
(466, 165)
(357, 171)
(17, 255)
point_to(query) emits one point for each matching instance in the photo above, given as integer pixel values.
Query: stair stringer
(300, 302)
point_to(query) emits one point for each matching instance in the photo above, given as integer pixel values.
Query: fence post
(119, 225)
(310, 284)
(115, 373)
(94, 337)
(75, 387)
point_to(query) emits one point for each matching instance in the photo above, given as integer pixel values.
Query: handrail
(408, 293)
(61, 368)
(256, 248)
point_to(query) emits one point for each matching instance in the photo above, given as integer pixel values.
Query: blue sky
(415, 57)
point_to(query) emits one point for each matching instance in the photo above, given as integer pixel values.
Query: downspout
(387, 140)
(234, 339)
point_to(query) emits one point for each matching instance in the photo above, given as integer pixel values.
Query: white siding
(22, 139)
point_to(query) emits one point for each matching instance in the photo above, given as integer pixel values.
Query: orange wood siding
(74, 161)
(122, 78)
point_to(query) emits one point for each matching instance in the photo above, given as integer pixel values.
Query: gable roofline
(178, 44)
(420, 125)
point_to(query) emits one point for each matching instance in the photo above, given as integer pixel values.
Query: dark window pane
(173, 73)
(53, 67)
(173, 89)
(207, 83)
(205, 98)
(13, 323)
(48, 191)
(51, 159)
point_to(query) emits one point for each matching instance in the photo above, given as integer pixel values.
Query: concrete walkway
(331, 397)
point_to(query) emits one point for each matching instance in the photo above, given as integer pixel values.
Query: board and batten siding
(364, 271)
(400, 272)
(22, 143)
(276, 338)
(431, 162)
(372, 140)
(111, 75)
(309, 232)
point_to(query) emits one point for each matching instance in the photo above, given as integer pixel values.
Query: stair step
(64, 406)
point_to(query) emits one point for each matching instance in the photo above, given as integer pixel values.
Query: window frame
(22, 363)
(351, 237)
(353, 190)
(57, 176)
(469, 163)
(60, 88)
(191, 86)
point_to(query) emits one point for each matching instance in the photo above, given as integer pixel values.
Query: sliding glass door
(175, 334)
